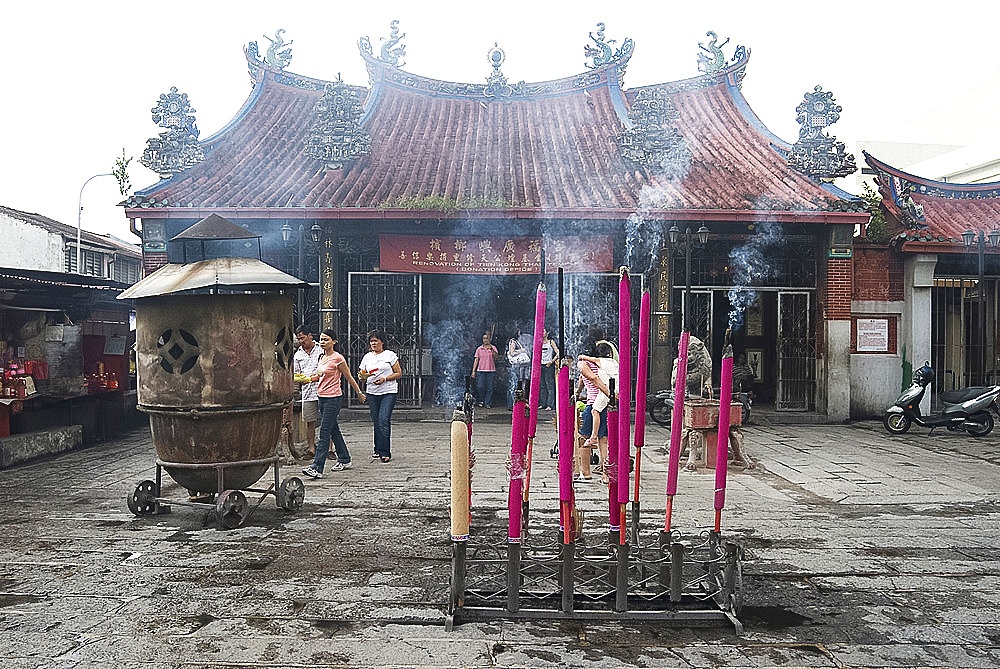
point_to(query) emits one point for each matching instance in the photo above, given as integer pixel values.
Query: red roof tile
(552, 149)
(948, 209)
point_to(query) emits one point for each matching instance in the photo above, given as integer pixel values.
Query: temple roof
(929, 214)
(547, 149)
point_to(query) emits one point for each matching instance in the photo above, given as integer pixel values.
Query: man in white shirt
(305, 362)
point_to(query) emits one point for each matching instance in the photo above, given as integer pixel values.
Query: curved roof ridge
(944, 186)
(382, 73)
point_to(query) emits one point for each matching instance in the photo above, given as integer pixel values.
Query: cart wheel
(291, 494)
(554, 451)
(231, 509)
(142, 501)
(595, 459)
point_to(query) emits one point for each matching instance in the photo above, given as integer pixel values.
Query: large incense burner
(214, 347)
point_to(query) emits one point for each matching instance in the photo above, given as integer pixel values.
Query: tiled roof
(553, 149)
(943, 210)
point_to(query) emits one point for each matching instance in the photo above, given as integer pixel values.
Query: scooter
(660, 405)
(965, 409)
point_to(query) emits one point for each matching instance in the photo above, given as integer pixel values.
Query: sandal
(386, 458)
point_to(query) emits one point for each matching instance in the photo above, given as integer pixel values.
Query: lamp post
(79, 216)
(287, 232)
(970, 237)
(687, 242)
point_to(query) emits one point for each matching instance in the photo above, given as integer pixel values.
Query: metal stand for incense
(566, 573)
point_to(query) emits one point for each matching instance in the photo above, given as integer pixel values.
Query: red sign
(494, 255)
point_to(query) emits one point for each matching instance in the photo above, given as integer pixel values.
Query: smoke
(749, 267)
(643, 240)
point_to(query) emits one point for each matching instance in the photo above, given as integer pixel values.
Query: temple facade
(428, 209)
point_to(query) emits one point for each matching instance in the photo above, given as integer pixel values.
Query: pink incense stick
(641, 373)
(536, 360)
(675, 425)
(624, 383)
(722, 440)
(518, 446)
(565, 419)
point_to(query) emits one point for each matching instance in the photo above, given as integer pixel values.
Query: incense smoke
(643, 240)
(749, 267)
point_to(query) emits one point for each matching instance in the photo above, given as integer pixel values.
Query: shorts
(310, 411)
(587, 428)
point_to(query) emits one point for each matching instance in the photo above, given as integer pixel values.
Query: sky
(81, 77)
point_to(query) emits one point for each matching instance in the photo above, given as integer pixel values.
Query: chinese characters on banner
(494, 255)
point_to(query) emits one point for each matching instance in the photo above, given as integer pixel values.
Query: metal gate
(700, 314)
(963, 333)
(796, 353)
(390, 303)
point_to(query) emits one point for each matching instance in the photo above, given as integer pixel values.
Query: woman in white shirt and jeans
(380, 368)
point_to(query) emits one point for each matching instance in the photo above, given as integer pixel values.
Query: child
(607, 369)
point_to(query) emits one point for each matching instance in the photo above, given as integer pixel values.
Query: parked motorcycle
(660, 405)
(964, 409)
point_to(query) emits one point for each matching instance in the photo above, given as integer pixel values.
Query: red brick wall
(152, 261)
(839, 289)
(878, 274)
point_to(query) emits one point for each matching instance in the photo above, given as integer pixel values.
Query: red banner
(494, 255)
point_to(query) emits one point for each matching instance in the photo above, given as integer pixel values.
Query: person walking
(304, 364)
(331, 369)
(484, 369)
(380, 370)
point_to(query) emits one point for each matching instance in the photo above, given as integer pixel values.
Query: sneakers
(340, 466)
(309, 471)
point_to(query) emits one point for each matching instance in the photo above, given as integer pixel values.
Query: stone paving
(863, 550)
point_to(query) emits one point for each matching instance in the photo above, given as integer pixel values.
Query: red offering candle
(641, 373)
(676, 419)
(624, 383)
(518, 447)
(722, 441)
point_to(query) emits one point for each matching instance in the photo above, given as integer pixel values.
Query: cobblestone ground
(863, 550)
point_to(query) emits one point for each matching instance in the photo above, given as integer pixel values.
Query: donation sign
(494, 255)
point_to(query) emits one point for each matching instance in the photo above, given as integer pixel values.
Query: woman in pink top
(485, 365)
(331, 368)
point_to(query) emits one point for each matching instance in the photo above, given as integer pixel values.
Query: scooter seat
(962, 394)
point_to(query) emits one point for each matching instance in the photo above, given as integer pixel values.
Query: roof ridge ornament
(496, 83)
(279, 54)
(653, 142)
(177, 149)
(816, 154)
(336, 136)
(715, 62)
(390, 53)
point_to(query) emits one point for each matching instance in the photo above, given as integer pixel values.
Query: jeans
(547, 390)
(380, 407)
(484, 387)
(329, 409)
(518, 373)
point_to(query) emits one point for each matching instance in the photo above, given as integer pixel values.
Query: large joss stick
(460, 483)
(518, 446)
(675, 426)
(624, 392)
(535, 383)
(722, 440)
(641, 374)
(565, 418)
(613, 467)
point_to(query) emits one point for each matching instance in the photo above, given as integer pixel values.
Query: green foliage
(121, 174)
(876, 231)
(445, 204)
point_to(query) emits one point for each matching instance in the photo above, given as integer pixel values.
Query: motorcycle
(660, 405)
(964, 409)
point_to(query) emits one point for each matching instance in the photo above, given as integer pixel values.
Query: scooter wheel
(660, 412)
(897, 423)
(985, 429)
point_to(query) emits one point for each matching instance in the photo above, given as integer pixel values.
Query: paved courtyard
(863, 550)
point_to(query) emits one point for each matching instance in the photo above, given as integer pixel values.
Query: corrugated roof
(52, 225)
(246, 273)
(552, 149)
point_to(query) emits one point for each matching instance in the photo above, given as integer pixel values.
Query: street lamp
(687, 241)
(288, 238)
(970, 237)
(79, 216)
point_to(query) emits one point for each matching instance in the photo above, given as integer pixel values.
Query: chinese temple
(425, 208)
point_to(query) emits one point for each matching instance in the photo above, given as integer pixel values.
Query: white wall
(26, 246)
